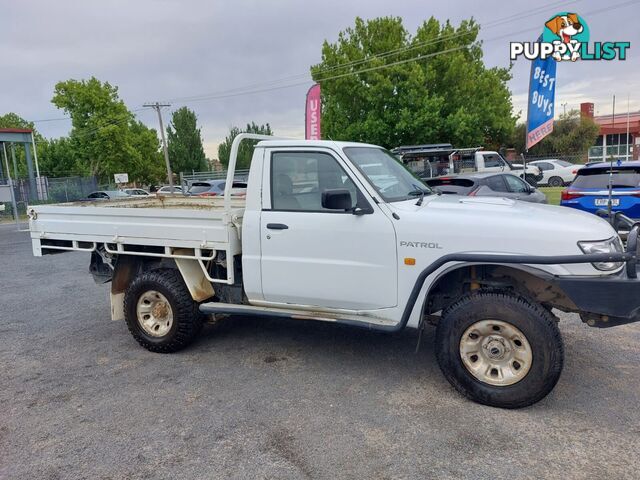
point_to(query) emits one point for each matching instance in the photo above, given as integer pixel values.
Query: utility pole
(157, 106)
(628, 142)
(613, 126)
(564, 109)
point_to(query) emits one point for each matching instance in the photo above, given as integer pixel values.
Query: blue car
(589, 191)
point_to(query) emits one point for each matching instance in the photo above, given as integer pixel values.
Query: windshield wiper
(418, 191)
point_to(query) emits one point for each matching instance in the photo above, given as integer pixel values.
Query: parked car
(168, 190)
(428, 161)
(214, 188)
(136, 192)
(107, 195)
(556, 173)
(504, 185)
(589, 191)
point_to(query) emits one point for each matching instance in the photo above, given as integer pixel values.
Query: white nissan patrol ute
(343, 233)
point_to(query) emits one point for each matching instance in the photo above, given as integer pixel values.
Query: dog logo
(566, 27)
(565, 37)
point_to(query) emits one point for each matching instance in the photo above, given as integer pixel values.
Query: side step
(359, 321)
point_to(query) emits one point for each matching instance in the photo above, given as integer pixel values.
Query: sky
(169, 50)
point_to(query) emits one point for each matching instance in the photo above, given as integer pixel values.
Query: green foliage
(105, 137)
(57, 158)
(184, 142)
(450, 97)
(572, 134)
(246, 148)
(13, 120)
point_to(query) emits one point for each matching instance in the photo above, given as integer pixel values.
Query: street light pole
(157, 106)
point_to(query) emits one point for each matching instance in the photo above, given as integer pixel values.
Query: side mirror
(337, 199)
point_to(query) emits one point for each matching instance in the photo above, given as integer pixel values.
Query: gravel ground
(261, 398)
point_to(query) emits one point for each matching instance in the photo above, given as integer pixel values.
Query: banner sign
(542, 91)
(312, 114)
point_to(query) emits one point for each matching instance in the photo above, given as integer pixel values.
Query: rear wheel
(499, 349)
(555, 182)
(159, 311)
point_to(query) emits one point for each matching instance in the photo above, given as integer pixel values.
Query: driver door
(314, 256)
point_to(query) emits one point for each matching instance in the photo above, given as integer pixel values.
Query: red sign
(312, 114)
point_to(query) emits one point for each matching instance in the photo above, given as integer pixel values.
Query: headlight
(613, 245)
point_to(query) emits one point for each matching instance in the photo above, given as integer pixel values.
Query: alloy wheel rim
(495, 352)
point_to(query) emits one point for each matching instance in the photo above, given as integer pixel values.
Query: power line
(488, 25)
(275, 82)
(238, 92)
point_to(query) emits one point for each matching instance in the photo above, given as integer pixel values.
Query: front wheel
(159, 311)
(499, 349)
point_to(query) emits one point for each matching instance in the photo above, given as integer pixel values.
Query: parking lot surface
(260, 398)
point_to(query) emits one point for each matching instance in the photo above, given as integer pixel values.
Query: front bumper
(604, 301)
(610, 300)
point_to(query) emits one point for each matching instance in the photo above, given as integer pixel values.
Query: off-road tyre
(187, 319)
(537, 324)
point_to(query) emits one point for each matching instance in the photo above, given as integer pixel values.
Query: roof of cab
(312, 143)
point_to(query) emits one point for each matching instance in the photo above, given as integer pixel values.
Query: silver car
(490, 184)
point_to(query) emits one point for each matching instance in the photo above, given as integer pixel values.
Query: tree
(184, 142)
(105, 137)
(572, 134)
(58, 159)
(440, 97)
(13, 120)
(246, 148)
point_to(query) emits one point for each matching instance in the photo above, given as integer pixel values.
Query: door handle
(277, 226)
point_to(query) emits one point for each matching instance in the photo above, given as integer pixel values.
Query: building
(613, 139)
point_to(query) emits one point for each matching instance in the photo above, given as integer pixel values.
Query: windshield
(388, 176)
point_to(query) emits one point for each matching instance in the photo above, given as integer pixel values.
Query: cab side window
(492, 160)
(299, 178)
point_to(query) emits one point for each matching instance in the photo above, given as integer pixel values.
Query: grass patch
(552, 193)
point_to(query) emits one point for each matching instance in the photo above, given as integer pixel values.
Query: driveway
(260, 398)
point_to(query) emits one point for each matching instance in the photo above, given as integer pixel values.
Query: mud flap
(199, 287)
(117, 306)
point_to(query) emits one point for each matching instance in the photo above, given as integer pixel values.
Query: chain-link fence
(54, 190)
(48, 190)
